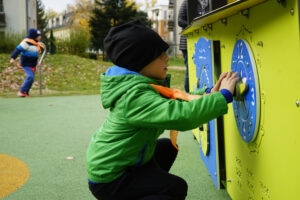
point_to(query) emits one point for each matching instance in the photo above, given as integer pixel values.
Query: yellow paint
(230, 1)
(13, 174)
(197, 135)
(267, 168)
(204, 143)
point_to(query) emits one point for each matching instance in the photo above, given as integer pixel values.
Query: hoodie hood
(116, 81)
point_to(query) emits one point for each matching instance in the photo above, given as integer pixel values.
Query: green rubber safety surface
(44, 131)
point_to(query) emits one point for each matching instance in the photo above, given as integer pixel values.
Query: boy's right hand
(229, 81)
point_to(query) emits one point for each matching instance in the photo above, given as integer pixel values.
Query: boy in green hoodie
(125, 158)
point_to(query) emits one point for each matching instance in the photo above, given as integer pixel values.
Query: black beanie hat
(133, 45)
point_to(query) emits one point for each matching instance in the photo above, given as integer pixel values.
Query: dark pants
(29, 79)
(148, 182)
(186, 76)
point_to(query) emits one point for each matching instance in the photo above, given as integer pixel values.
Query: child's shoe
(22, 94)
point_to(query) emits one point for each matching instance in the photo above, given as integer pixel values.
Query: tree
(50, 13)
(52, 46)
(81, 13)
(143, 17)
(109, 13)
(42, 21)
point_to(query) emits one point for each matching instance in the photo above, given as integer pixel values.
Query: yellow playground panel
(256, 146)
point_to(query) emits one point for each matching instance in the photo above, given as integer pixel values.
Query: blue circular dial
(246, 109)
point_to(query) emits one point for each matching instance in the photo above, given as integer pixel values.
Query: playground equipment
(40, 66)
(253, 151)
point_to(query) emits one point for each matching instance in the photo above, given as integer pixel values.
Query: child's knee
(30, 78)
(180, 187)
(184, 186)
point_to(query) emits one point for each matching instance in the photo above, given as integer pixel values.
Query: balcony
(171, 4)
(170, 25)
(2, 19)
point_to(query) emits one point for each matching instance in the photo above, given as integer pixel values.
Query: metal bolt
(247, 64)
(233, 62)
(228, 180)
(215, 173)
(297, 103)
(260, 43)
(292, 12)
(224, 21)
(250, 124)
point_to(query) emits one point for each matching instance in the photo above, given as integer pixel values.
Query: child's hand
(216, 88)
(11, 62)
(229, 81)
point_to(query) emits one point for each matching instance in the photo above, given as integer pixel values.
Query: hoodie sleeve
(21, 47)
(146, 108)
(200, 91)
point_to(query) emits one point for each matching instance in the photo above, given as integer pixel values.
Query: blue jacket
(29, 54)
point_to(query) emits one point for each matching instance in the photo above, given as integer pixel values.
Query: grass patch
(176, 61)
(65, 75)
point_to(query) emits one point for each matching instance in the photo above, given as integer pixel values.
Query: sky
(60, 5)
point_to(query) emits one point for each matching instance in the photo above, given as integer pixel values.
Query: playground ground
(39, 133)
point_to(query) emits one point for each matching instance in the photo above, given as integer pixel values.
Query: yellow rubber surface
(13, 174)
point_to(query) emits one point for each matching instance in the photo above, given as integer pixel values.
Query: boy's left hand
(216, 88)
(11, 62)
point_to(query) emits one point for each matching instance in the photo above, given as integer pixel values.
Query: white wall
(32, 15)
(15, 15)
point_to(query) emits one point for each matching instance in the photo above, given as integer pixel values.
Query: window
(1, 6)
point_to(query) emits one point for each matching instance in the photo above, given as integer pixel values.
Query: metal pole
(40, 67)
(175, 25)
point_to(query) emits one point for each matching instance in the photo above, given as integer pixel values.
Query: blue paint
(204, 72)
(246, 111)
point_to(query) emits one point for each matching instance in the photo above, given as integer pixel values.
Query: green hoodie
(138, 116)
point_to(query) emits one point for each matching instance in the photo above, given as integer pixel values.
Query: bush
(76, 44)
(93, 56)
(52, 46)
(9, 41)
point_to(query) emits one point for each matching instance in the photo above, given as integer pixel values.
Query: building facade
(17, 16)
(159, 16)
(60, 25)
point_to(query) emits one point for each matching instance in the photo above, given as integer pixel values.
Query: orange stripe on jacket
(174, 94)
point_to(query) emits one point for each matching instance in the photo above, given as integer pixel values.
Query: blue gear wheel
(247, 109)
